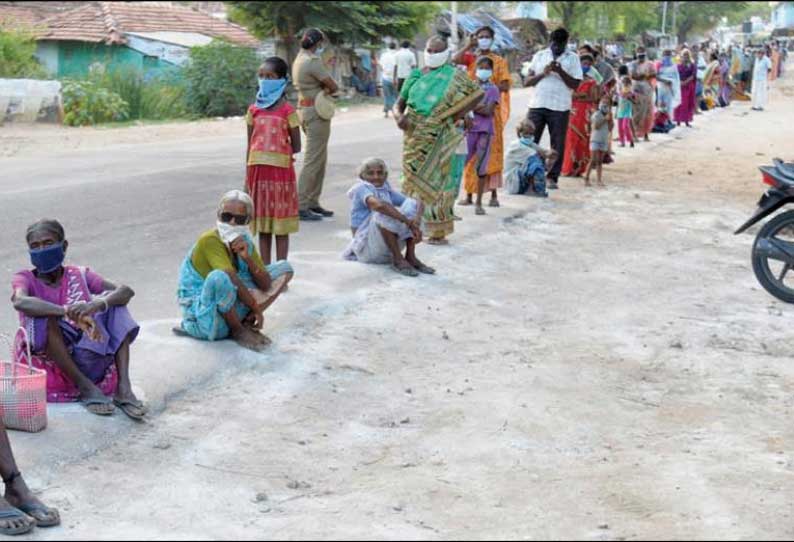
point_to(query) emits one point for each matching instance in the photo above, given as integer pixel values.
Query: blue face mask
(484, 75)
(526, 140)
(319, 50)
(270, 90)
(667, 61)
(585, 69)
(47, 259)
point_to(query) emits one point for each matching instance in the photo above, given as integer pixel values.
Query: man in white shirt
(406, 62)
(555, 73)
(761, 70)
(388, 66)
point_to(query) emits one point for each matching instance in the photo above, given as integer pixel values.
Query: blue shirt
(358, 194)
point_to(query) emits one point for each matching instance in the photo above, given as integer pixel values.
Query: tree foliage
(17, 60)
(351, 22)
(593, 20)
(221, 79)
(697, 17)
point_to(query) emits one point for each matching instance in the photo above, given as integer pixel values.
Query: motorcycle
(773, 250)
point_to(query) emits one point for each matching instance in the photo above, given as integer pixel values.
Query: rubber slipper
(88, 403)
(15, 513)
(493, 203)
(465, 202)
(133, 409)
(32, 509)
(426, 269)
(407, 271)
(479, 211)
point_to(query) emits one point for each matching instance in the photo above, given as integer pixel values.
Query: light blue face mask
(270, 90)
(526, 140)
(484, 75)
(319, 50)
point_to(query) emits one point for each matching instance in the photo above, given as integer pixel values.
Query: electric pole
(453, 26)
(664, 16)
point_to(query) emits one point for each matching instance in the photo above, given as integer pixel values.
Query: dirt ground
(601, 365)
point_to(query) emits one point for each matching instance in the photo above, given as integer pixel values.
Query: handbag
(325, 106)
(23, 389)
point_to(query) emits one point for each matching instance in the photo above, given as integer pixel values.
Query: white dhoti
(760, 93)
(368, 245)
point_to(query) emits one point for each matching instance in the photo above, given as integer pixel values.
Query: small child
(480, 133)
(626, 99)
(273, 137)
(600, 124)
(526, 163)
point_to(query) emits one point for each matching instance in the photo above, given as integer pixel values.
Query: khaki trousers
(310, 182)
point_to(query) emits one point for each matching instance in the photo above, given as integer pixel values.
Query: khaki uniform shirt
(307, 71)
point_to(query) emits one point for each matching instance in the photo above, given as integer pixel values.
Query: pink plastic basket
(23, 389)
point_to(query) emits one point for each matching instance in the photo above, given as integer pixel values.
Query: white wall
(29, 100)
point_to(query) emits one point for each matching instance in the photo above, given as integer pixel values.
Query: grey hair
(371, 161)
(237, 196)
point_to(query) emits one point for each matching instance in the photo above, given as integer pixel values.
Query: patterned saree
(434, 99)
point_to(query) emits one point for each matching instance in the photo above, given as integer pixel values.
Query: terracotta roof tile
(108, 21)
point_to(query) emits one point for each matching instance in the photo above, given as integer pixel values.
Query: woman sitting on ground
(79, 324)
(384, 222)
(224, 287)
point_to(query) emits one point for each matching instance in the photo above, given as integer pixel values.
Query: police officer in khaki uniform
(310, 78)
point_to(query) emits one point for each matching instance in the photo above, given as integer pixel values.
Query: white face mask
(229, 233)
(436, 60)
(484, 43)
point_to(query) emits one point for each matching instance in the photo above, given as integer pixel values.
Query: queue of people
(452, 114)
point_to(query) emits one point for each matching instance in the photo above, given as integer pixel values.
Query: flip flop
(88, 403)
(426, 269)
(15, 513)
(479, 211)
(32, 509)
(134, 409)
(406, 271)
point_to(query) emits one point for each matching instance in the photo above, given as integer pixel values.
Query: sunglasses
(240, 220)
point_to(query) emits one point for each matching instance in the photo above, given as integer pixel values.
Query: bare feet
(437, 241)
(601, 184)
(466, 201)
(250, 339)
(421, 267)
(479, 210)
(587, 183)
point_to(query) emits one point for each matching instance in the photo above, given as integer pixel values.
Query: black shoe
(309, 216)
(320, 211)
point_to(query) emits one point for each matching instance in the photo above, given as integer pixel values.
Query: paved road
(132, 211)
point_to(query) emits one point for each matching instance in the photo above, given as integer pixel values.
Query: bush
(161, 97)
(16, 56)
(86, 102)
(221, 79)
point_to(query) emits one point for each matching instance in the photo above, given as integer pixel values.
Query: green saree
(433, 100)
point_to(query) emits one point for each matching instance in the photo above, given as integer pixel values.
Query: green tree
(696, 17)
(572, 15)
(221, 79)
(17, 60)
(351, 22)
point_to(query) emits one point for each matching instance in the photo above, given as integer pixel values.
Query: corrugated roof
(107, 22)
(185, 39)
(471, 22)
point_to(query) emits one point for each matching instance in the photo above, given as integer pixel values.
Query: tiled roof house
(151, 36)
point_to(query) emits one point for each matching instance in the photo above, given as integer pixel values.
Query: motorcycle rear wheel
(773, 277)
